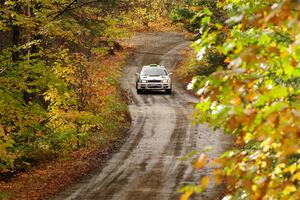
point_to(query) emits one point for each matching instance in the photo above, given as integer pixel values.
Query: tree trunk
(16, 35)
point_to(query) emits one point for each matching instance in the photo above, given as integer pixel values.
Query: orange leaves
(232, 124)
(200, 162)
(196, 8)
(239, 141)
(294, 62)
(290, 146)
(273, 119)
(236, 101)
(279, 14)
(186, 195)
(244, 22)
(251, 96)
(274, 49)
(190, 189)
(261, 98)
(39, 133)
(213, 94)
(290, 130)
(218, 176)
(249, 54)
(227, 60)
(204, 182)
(283, 54)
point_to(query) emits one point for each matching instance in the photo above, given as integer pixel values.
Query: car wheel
(168, 91)
(138, 91)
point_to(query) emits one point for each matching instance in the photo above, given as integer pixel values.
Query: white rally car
(153, 77)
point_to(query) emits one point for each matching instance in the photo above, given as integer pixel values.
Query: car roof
(153, 65)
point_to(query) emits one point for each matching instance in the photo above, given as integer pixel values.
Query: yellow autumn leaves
(203, 183)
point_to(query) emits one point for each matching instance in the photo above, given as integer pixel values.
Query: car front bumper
(154, 86)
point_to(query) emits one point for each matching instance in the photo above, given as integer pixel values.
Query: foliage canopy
(55, 93)
(257, 97)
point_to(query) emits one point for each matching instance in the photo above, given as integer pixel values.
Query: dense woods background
(58, 90)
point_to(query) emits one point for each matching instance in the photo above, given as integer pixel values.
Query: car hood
(154, 77)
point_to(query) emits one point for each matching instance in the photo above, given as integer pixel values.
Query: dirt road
(148, 167)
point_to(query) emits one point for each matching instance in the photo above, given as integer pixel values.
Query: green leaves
(256, 97)
(54, 95)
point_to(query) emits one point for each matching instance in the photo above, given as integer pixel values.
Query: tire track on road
(147, 166)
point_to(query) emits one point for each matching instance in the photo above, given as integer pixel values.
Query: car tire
(168, 91)
(138, 91)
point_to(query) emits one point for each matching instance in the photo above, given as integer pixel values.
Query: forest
(60, 69)
(57, 92)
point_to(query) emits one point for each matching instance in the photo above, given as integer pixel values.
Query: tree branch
(69, 8)
(59, 13)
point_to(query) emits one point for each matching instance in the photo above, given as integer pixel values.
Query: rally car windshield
(153, 71)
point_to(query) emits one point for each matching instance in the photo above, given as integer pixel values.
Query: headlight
(165, 81)
(143, 81)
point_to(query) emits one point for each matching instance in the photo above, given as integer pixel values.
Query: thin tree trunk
(16, 35)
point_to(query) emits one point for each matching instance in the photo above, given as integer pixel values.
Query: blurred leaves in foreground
(256, 98)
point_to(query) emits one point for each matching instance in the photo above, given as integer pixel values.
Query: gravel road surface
(147, 167)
